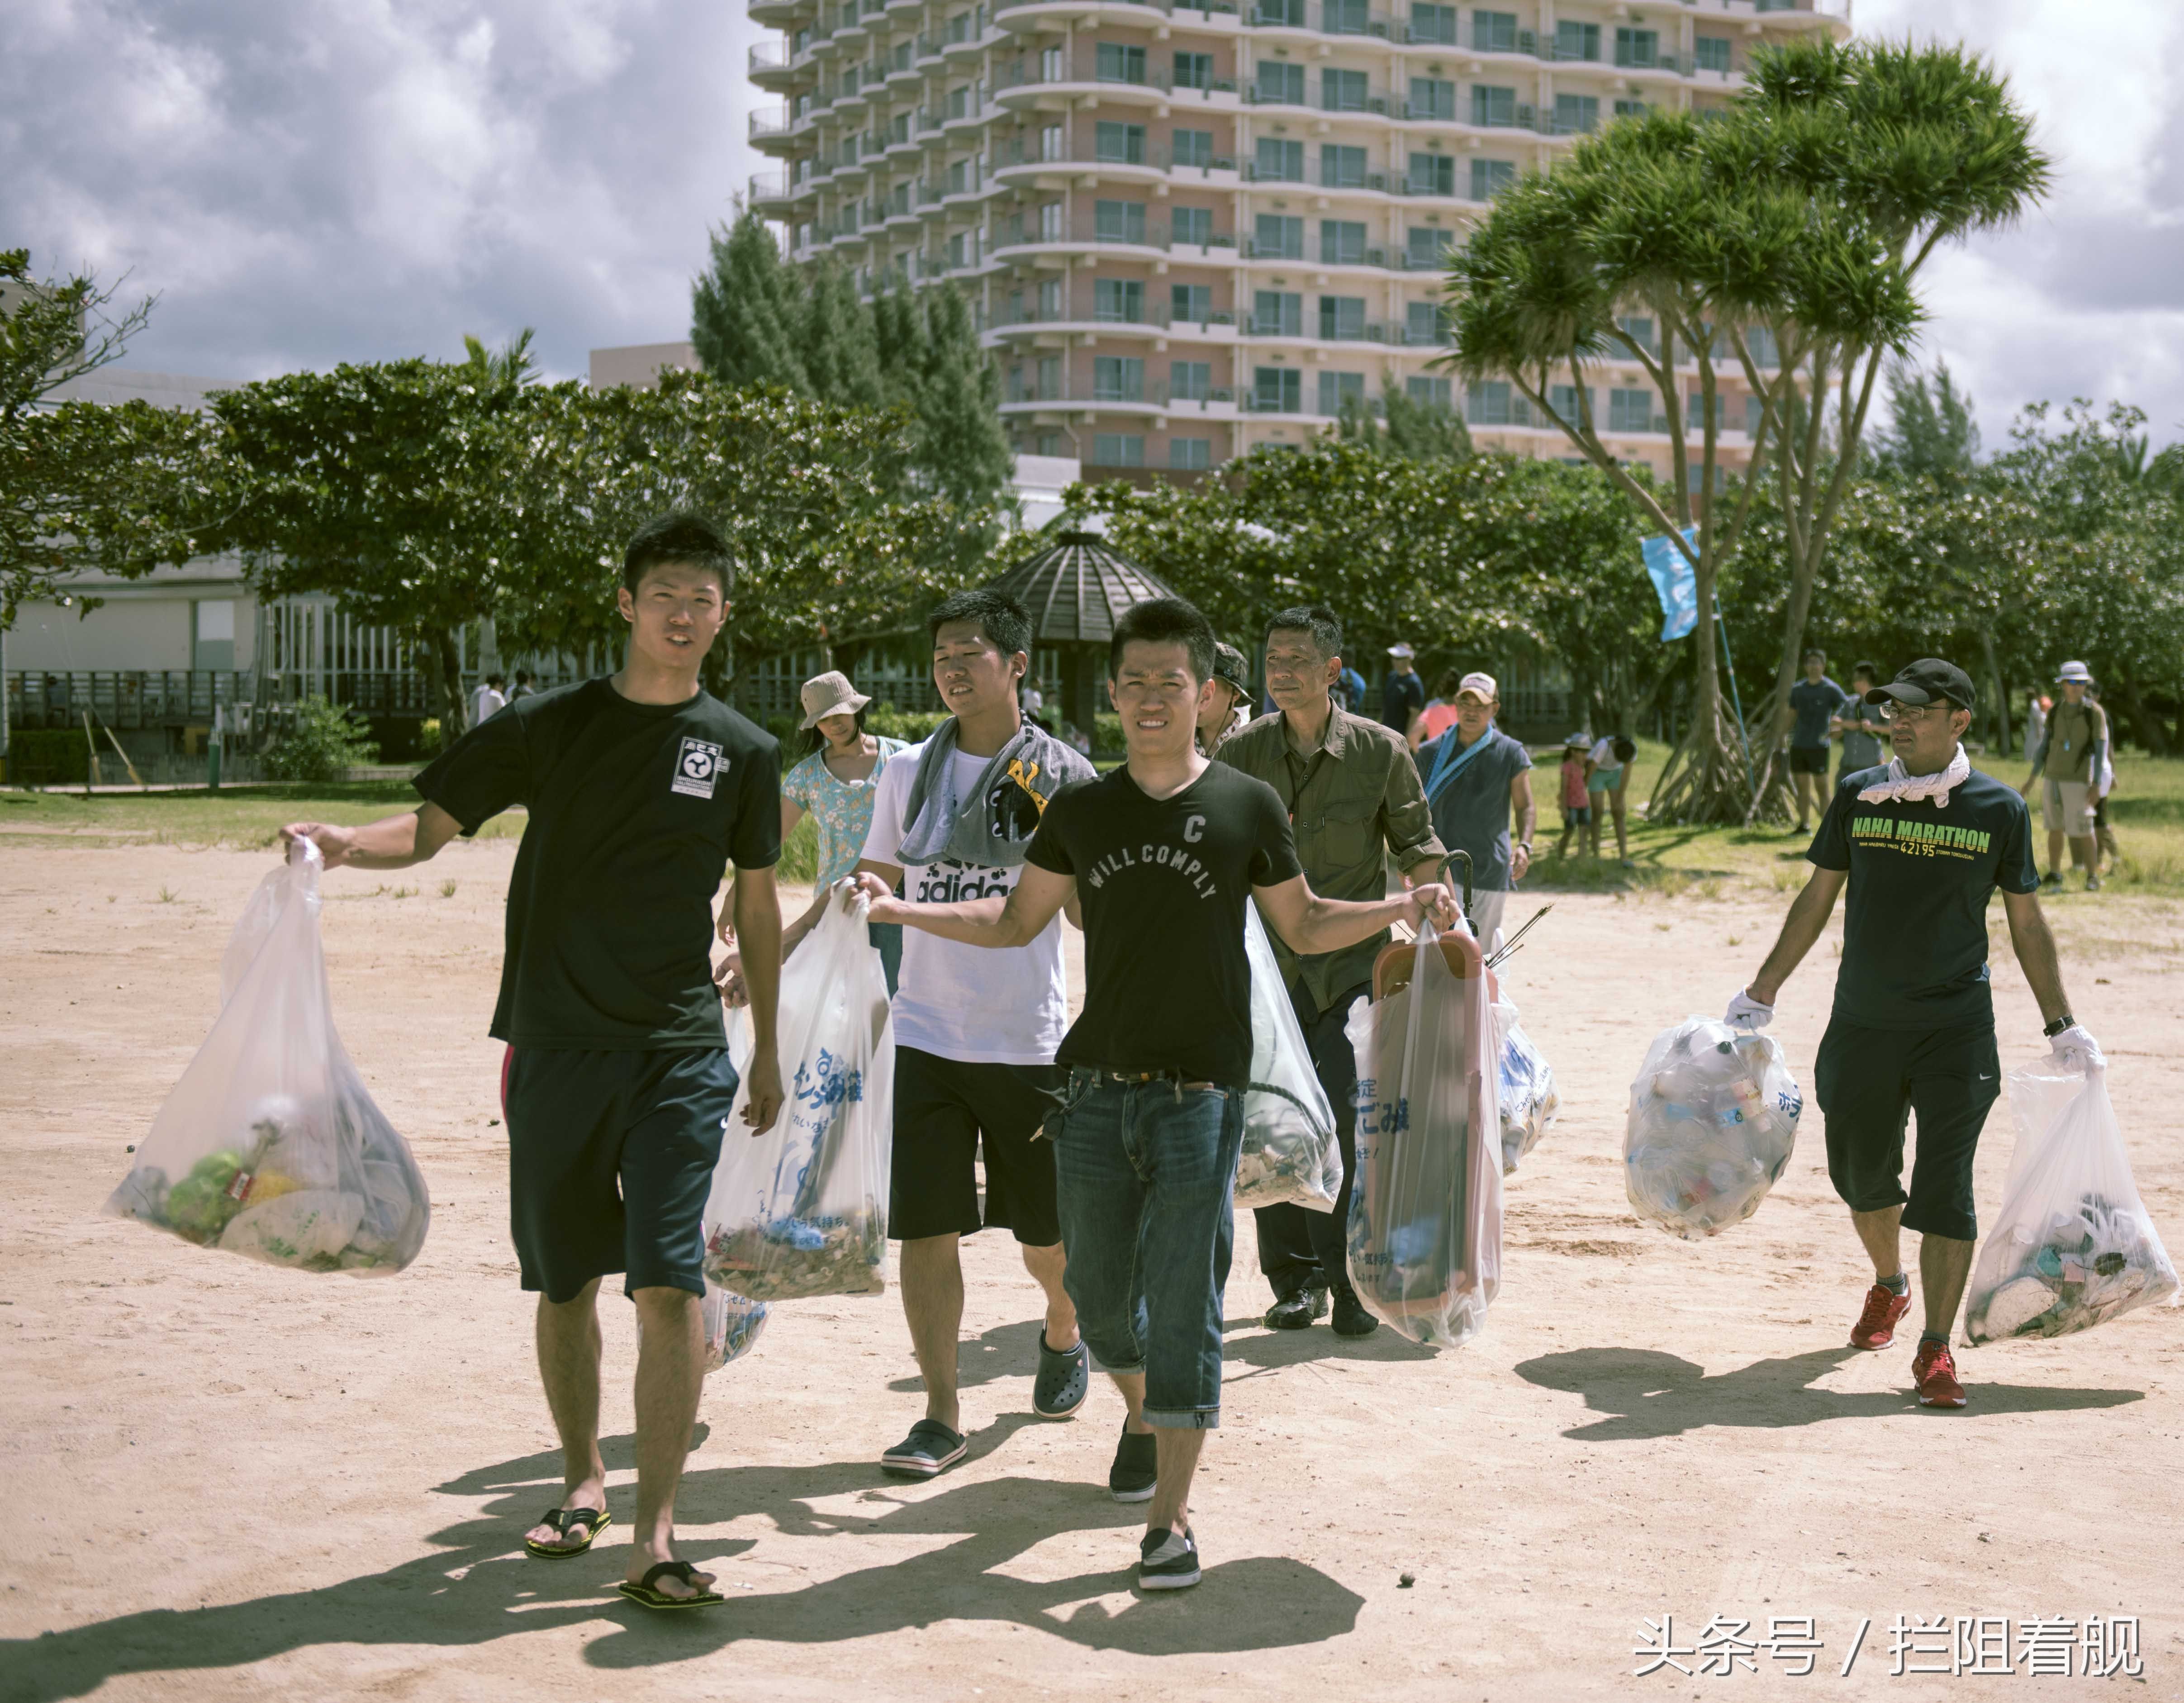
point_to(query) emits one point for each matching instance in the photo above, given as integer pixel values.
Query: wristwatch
(2059, 1025)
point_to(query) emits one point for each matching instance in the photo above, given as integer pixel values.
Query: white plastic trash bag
(269, 1146)
(1425, 1212)
(802, 1209)
(2072, 1246)
(1713, 1119)
(1290, 1154)
(732, 1325)
(1526, 1087)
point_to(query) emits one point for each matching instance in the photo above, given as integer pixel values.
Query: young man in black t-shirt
(640, 789)
(1163, 853)
(1921, 844)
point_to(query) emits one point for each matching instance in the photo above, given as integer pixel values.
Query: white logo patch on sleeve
(697, 767)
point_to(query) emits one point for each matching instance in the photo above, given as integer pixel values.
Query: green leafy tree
(840, 344)
(962, 451)
(746, 309)
(1417, 430)
(1930, 433)
(323, 741)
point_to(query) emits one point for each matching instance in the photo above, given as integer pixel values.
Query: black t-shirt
(1914, 919)
(1401, 697)
(1163, 883)
(635, 810)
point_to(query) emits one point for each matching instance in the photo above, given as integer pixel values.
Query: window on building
(1426, 246)
(1281, 82)
(959, 250)
(1432, 97)
(1491, 106)
(1428, 392)
(1119, 144)
(1118, 378)
(1118, 449)
(1050, 377)
(1279, 12)
(1575, 114)
(1694, 411)
(1050, 221)
(1711, 52)
(1279, 161)
(1189, 381)
(1489, 177)
(1342, 242)
(1434, 24)
(1639, 329)
(1277, 313)
(1341, 167)
(1193, 70)
(1766, 354)
(1342, 91)
(1050, 300)
(1336, 389)
(1016, 391)
(1050, 64)
(1190, 304)
(1118, 221)
(1194, 226)
(1494, 32)
(1629, 410)
(1754, 408)
(1631, 109)
(1193, 148)
(1575, 41)
(1565, 401)
(1046, 444)
(1488, 403)
(1636, 46)
(1277, 390)
(1050, 142)
(1342, 318)
(1115, 64)
(1118, 301)
(1425, 323)
(1432, 174)
(213, 634)
(1190, 454)
(1345, 17)
(1277, 237)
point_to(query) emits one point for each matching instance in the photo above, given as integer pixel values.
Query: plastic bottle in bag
(1290, 1153)
(1425, 1215)
(802, 1211)
(1526, 1087)
(2074, 1245)
(269, 1146)
(1713, 1120)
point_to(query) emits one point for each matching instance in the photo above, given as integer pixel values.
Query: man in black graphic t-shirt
(1921, 844)
(641, 789)
(1163, 854)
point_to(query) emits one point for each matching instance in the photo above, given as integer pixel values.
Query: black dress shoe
(1297, 1311)
(1350, 1318)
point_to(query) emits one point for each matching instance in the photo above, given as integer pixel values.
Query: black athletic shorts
(1869, 1081)
(943, 1109)
(1808, 760)
(610, 1157)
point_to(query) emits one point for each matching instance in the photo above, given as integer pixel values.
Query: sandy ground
(228, 1481)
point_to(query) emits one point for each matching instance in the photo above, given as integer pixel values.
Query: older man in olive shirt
(1353, 797)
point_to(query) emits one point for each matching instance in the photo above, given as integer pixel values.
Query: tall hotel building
(1186, 232)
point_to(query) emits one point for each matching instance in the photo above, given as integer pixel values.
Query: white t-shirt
(973, 1004)
(1603, 755)
(1032, 699)
(485, 701)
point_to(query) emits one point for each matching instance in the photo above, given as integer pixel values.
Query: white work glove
(1746, 1012)
(2075, 1050)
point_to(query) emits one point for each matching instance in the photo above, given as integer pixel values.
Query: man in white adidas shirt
(975, 1030)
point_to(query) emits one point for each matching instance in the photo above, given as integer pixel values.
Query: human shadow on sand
(1005, 1351)
(480, 1588)
(1650, 1394)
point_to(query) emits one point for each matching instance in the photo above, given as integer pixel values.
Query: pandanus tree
(1771, 251)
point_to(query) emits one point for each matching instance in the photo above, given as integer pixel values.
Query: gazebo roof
(1077, 589)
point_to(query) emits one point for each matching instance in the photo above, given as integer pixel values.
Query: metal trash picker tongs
(1508, 946)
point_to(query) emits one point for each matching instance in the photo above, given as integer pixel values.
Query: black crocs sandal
(590, 1521)
(930, 1450)
(644, 1593)
(1064, 1380)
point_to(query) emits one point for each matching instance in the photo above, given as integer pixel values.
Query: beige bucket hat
(830, 694)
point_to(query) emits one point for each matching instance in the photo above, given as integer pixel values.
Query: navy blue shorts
(1809, 760)
(610, 1157)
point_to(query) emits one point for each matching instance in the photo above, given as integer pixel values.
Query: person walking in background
(836, 783)
(1860, 725)
(1439, 715)
(1032, 701)
(1350, 685)
(2038, 703)
(1607, 779)
(2070, 759)
(1402, 693)
(487, 699)
(2108, 854)
(1814, 703)
(1577, 811)
(1476, 777)
(1353, 799)
(1223, 713)
(522, 688)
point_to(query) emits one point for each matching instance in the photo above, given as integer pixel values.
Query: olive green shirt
(1350, 803)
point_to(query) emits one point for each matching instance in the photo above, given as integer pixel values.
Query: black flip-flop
(592, 1520)
(644, 1593)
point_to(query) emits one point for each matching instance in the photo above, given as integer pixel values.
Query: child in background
(1607, 773)
(1576, 811)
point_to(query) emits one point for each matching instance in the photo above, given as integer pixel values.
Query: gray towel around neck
(995, 824)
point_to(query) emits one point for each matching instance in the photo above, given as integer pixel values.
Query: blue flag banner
(1675, 581)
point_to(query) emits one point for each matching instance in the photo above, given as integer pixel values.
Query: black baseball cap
(1924, 681)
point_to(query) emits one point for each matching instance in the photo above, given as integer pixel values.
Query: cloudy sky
(304, 182)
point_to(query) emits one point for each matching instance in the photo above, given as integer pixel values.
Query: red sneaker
(1935, 1369)
(1876, 1326)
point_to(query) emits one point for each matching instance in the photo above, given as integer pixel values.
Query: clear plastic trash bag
(2072, 1246)
(1290, 1154)
(802, 1211)
(732, 1325)
(269, 1146)
(1528, 1099)
(1425, 1212)
(1713, 1119)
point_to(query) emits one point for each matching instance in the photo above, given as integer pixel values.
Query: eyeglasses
(1894, 711)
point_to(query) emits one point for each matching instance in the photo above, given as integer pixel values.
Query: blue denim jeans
(1145, 1171)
